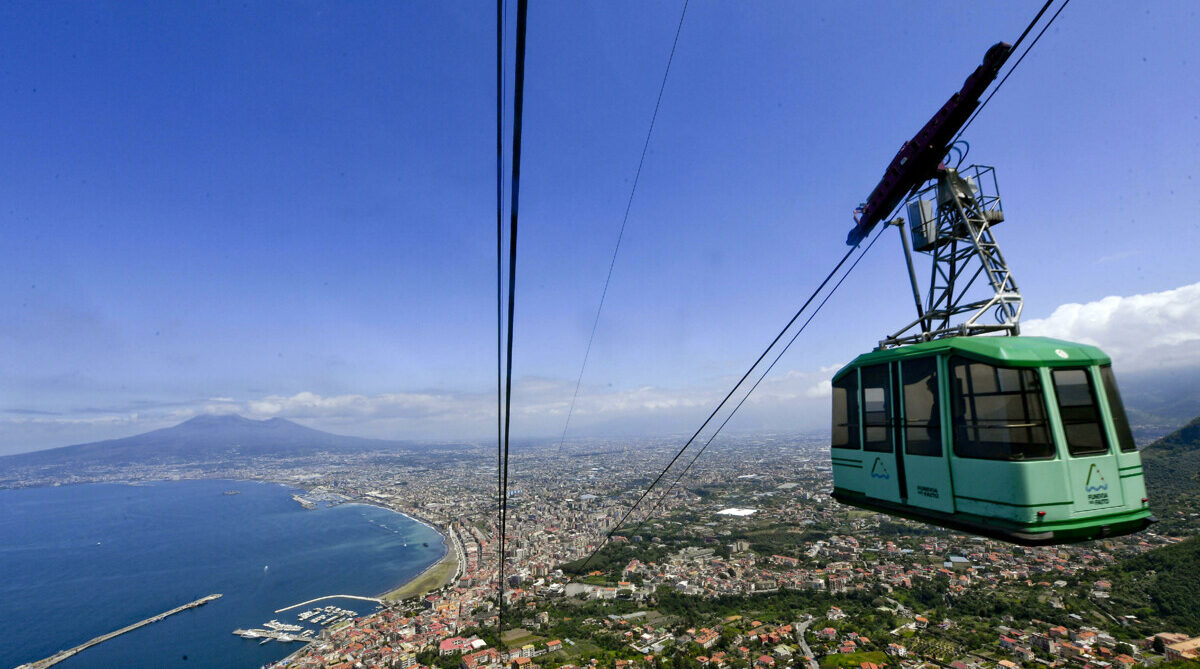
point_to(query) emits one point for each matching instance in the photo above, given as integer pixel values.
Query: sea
(79, 561)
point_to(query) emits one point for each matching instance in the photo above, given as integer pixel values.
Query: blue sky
(288, 208)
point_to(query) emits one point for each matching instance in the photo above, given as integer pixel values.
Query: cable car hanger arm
(919, 158)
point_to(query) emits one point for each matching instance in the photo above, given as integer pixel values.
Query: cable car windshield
(1116, 408)
(845, 412)
(922, 426)
(1079, 413)
(877, 406)
(999, 413)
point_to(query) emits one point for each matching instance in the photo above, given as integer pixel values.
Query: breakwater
(64, 654)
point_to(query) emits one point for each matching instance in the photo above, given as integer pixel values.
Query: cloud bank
(1143, 333)
(1140, 332)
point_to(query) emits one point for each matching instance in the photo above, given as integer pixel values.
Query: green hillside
(1172, 466)
(1161, 586)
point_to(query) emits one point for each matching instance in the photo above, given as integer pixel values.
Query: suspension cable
(804, 325)
(499, 267)
(518, 107)
(625, 219)
(1022, 57)
(742, 380)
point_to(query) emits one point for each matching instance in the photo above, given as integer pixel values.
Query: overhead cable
(1021, 58)
(625, 219)
(499, 267)
(514, 202)
(742, 380)
(720, 427)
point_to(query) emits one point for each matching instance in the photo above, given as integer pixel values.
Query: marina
(269, 635)
(273, 629)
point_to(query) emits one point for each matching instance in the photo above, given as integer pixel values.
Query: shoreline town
(750, 564)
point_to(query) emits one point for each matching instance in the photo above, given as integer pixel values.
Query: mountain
(1153, 586)
(1159, 401)
(202, 439)
(1172, 469)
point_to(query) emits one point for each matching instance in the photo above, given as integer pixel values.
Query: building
(1184, 650)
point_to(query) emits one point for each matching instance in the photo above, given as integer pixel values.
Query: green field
(520, 637)
(847, 660)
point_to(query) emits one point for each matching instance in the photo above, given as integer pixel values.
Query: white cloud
(823, 388)
(1140, 332)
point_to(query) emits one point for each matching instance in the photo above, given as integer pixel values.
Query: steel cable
(621, 234)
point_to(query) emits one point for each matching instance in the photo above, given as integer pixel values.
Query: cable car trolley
(955, 419)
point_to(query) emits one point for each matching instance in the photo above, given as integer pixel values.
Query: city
(282, 389)
(748, 562)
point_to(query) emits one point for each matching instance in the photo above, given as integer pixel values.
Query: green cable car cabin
(1019, 438)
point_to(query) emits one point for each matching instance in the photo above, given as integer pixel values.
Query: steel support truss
(963, 250)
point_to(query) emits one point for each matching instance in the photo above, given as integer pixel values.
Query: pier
(296, 606)
(64, 654)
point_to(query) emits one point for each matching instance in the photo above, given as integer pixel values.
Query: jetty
(64, 654)
(296, 606)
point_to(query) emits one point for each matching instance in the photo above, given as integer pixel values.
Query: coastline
(200, 502)
(401, 592)
(434, 577)
(449, 541)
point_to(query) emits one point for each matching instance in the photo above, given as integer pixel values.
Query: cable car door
(885, 471)
(926, 466)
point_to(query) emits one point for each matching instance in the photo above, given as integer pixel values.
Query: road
(801, 628)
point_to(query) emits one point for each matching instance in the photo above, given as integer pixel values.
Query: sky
(288, 209)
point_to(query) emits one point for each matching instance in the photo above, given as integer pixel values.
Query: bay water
(79, 561)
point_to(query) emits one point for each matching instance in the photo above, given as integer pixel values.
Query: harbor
(325, 616)
(312, 601)
(64, 654)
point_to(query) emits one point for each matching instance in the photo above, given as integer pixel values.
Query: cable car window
(1116, 408)
(999, 413)
(1079, 412)
(845, 412)
(877, 405)
(922, 421)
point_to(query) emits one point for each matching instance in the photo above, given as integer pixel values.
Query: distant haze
(291, 214)
(200, 440)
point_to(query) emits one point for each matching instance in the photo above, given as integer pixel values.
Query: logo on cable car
(878, 471)
(1097, 494)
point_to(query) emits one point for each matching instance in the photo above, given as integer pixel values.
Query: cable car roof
(1006, 351)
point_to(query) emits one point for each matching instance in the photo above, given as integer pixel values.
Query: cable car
(962, 422)
(1019, 438)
